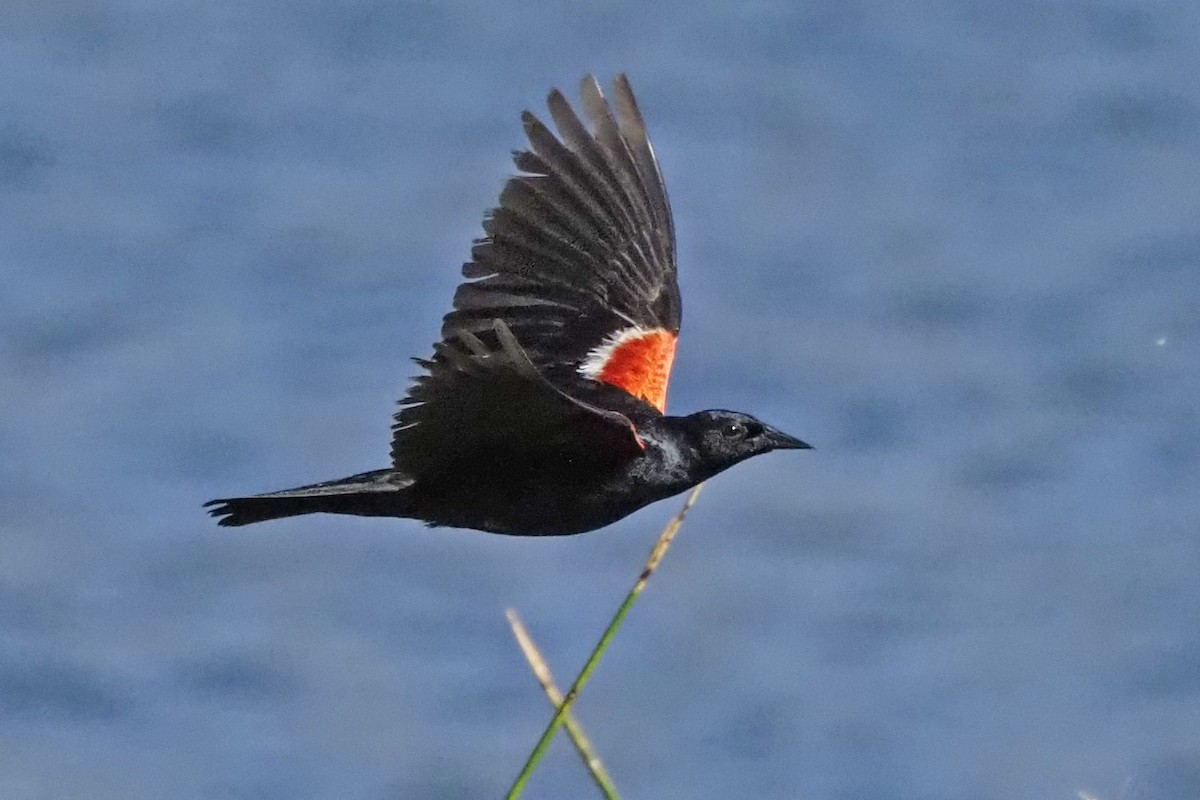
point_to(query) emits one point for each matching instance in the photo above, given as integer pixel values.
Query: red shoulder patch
(637, 361)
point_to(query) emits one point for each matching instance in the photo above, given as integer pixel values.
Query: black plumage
(541, 410)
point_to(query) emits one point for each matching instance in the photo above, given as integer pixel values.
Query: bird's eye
(733, 430)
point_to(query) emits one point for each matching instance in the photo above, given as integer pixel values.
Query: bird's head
(723, 438)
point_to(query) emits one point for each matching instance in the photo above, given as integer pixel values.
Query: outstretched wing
(579, 257)
(485, 402)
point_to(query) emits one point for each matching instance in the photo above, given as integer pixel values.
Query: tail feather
(377, 493)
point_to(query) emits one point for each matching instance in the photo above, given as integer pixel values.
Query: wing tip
(224, 512)
(588, 83)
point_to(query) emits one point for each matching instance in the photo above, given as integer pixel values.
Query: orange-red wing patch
(636, 360)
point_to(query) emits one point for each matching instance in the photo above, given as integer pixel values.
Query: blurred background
(955, 245)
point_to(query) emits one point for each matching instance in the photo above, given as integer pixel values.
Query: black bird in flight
(541, 411)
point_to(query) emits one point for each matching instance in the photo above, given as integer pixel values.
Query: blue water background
(956, 245)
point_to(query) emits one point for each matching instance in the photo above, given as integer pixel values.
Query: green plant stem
(541, 671)
(656, 555)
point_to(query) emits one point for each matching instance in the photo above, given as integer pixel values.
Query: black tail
(373, 494)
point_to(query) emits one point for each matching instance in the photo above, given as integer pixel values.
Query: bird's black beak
(782, 441)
